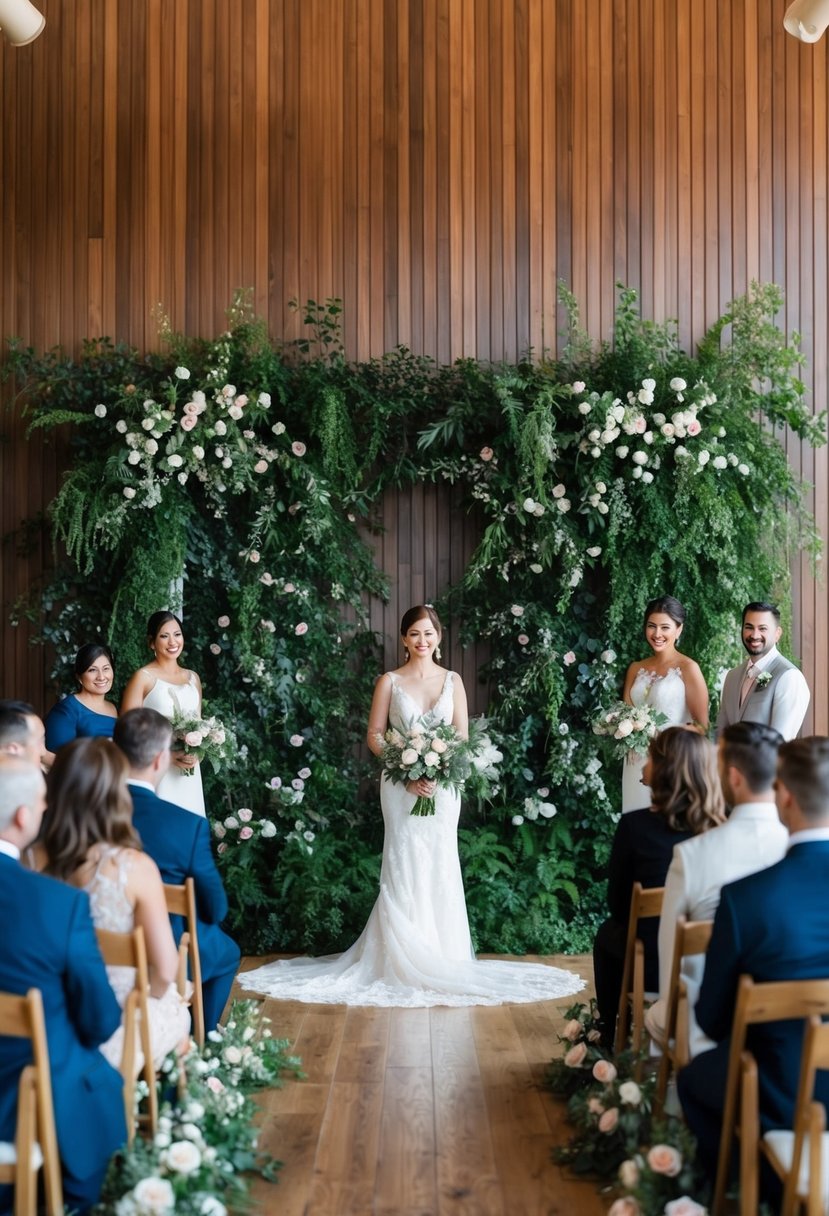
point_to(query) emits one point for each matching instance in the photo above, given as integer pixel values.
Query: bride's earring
(437, 653)
(408, 656)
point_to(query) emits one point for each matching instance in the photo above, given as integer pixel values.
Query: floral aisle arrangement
(200, 1161)
(629, 728)
(248, 473)
(205, 738)
(611, 1118)
(660, 1180)
(581, 1048)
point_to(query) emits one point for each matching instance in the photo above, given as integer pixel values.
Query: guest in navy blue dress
(85, 713)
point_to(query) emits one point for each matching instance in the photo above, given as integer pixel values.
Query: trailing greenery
(239, 479)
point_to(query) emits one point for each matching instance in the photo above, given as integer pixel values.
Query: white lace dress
(667, 695)
(111, 909)
(184, 789)
(415, 950)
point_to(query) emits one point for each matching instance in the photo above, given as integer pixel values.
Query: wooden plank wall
(438, 164)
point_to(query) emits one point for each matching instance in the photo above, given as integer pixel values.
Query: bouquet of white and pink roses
(205, 738)
(630, 727)
(434, 751)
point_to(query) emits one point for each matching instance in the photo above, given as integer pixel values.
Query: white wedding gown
(184, 790)
(415, 950)
(666, 694)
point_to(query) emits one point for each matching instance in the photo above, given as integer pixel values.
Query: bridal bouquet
(436, 752)
(205, 738)
(630, 727)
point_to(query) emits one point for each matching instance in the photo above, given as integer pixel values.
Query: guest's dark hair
(14, 727)
(761, 606)
(803, 767)
(141, 734)
(417, 613)
(88, 803)
(668, 604)
(158, 619)
(88, 654)
(685, 785)
(752, 747)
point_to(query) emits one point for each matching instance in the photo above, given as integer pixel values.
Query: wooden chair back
(181, 901)
(129, 950)
(691, 937)
(756, 1003)
(22, 1017)
(644, 902)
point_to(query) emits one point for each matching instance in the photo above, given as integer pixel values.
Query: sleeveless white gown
(184, 791)
(415, 950)
(667, 695)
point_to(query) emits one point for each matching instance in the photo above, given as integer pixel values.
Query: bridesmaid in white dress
(416, 950)
(165, 686)
(668, 681)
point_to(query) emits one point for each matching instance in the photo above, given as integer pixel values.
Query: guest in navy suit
(773, 925)
(179, 843)
(48, 942)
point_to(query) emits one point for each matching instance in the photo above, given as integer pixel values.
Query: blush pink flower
(625, 1207)
(604, 1071)
(261, 466)
(569, 658)
(222, 848)
(188, 422)
(214, 1084)
(523, 640)
(486, 453)
(245, 814)
(215, 648)
(223, 622)
(300, 629)
(298, 448)
(575, 1056)
(246, 833)
(665, 1159)
(694, 427)
(608, 1121)
(296, 740)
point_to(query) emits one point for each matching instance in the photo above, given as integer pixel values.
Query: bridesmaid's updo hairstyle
(417, 613)
(89, 654)
(88, 802)
(685, 783)
(157, 620)
(668, 604)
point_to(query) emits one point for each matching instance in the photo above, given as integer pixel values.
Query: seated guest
(772, 925)
(751, 839)
(22, 733)
(89, 841)
(681, 770)
(179, 842)
(48, 942)
(85, 713)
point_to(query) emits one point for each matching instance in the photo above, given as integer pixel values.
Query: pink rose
(215, 649)
(300, 629)
(665, 1159)
(253, 556)
(298, 448)
(684, 1206)
(192, 410)
(625, 1207)
(575, 1056)
(188, 422)
(523, 640)
(222, 847)
(261, 466)
(608, 1121)
(246, 833)
(296, 740)
(223, 622)
(242, 399)
(572, 1030)
(246, 814)
(304, 773)
(569, 658)
(487, 453)
(595, 1106)
(289, 588)
(216, 1085)
(694, 427)
(193, 738)
(604, 1071)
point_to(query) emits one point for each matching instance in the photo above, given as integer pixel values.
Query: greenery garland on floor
(236, 478)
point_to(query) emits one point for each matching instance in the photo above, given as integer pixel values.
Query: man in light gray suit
(766, 688)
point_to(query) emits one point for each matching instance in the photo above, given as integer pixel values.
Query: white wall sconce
(20, 21)
(807, 19)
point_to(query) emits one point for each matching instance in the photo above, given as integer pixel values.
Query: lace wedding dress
(415, 950)
(184, 790)
(111, 909)
(667, 695)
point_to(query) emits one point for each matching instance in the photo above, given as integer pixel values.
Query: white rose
(121, 426)
(624, 728)
(640, 457)
(431, 759)
(608, 656)
(175, 461)
(536, 569)
(594, 436)
(647, 477)
(594, 551)
(517, 820)
(585, 407)
(703, 457)
(182, 373)
(603, 508)
(264, 400)
(668, 430)
(601, 488)
(630, 1093)
(529, 505)
(720, 462)
(268, 828)
(232, 1055)
(151, 447)
(129, 492)
(198, 451)
(148, 424)
(560, 490)
(629, 1173)
(649, 385)
(546, 809)
(409, 757)
(278, 428)
(637, 472)
(563, 505)
(182, 1157)
(211, 1206)
(220, 427)
(622, 451)
(154, 1195)
(744, 469)
(577, 386)
(678, 385)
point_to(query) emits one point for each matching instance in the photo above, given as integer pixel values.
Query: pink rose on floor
(487, 453)
(575, 1056)
(572, 1030)
(684, 1206)
(246, 833)
(246, 814)
(625, 1207)
(300, 629)
(604, 1071)
(608, 1121)
(665, 1159)
(569, 658)
(298, 448)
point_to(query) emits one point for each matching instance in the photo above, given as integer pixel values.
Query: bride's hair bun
(668, 604)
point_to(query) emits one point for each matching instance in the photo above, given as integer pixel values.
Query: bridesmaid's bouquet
(630, 727)
(436, 752)
(205, 738)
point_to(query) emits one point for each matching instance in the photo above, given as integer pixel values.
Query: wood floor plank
(406, 1176)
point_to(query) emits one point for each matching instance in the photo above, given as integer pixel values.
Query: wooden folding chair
(644, 903)
(181, 901)
(129, 950)
(36, 1142)
(799, 1157)
(692, 937)
(756, 1003)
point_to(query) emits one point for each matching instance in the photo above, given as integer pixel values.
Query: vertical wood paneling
(438, 164)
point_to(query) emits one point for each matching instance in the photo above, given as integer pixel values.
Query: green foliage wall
(235, 478)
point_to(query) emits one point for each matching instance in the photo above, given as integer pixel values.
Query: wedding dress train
(416, 950)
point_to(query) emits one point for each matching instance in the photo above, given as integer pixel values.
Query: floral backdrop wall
(236, 479)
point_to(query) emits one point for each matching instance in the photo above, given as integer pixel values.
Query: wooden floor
(420, 1112)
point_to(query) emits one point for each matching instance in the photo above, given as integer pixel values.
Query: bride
(668, 681)
(416, 949)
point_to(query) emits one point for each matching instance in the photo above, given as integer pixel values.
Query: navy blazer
(179, 843)
(48, 942)
(772, 925)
